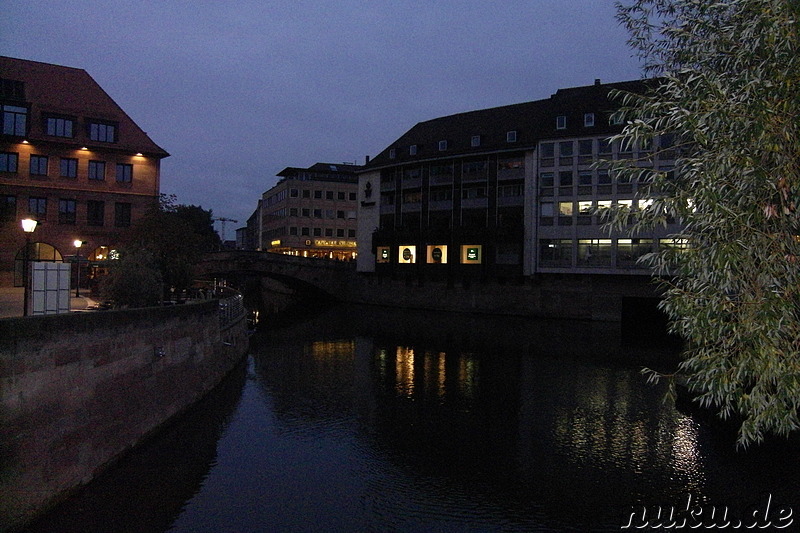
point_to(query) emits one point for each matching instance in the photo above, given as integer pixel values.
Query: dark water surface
(364, 419)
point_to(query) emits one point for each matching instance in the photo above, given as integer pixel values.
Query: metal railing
(231, 311)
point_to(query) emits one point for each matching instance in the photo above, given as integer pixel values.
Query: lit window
(585, 207)
(565, 209)
(471, 253)
(382, 254)
(588, 120)
(437, 253)
(561, 122)
(442, 146)
(407, 254)
(511, 136)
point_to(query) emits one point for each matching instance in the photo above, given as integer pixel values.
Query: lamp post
(28, 226)
(78, 243)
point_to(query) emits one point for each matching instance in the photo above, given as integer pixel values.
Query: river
(368, 419)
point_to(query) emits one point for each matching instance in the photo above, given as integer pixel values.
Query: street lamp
(78, 243)
(28, 226)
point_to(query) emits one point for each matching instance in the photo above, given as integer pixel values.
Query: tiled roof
(71, 91)
(532, 122)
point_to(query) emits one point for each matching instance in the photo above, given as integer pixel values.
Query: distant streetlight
(28, 226)
(78, 243)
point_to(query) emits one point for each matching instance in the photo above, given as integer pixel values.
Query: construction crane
(224, 220)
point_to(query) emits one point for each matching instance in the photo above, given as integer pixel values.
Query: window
(547, 153)
(293, 230)
(616, 119)
(565, 150)
(382, 254)
(475, 141)
(38, 165)
(8, 208)
(329, 232)
(66, 211)
(412, 150)
(318, 213)
(329, 195)
(97, 170)
(340, 195)
(122, 214)
(330, 214)
(352, 197)
(293, 211)
(585, 147)
(407, 254)
(546, 179)
(8, 161)
(106, 133)
(437, 253)
(585, 177)
(511, 136)
(124, 173)
(555, 252)
(471, 253)
(37, 208)
(68, 167)
(339, 214)
(305, 232)
(594, 252)
(565, 178)
(95, 213)
(442, 146)
(293, 193)
(561, 122)
(340, 232)
(351, 234)
(15, 120)
(318, 195)
(60, 127)
(588, 120)
(306, 193)
(306, 212)
(603, 177)
(565, 209)
(546, 209)
(392, 153)
(317, 232)
(585, 207)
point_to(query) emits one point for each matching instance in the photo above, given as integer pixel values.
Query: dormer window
(15, 120)
(615, 119)
(60, 127)
(102, 132)
(561, 122)
(442, 146)
(392, 153)
(511, 136)
(412, 150)
(475, 141)
(588, 120)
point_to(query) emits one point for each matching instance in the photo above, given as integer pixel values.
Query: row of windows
(318, 232)
(67, 211)
(587, 150)
(318, 194)
(434, 254)
(315, 213)
(67, 167)
(443, 173)
(14, 120)
(620, 253)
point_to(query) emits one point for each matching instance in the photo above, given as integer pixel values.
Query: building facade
(507, 192)
(72, 159)
(311, 212)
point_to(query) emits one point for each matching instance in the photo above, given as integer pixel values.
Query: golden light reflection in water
(333, 349)
(404, 368)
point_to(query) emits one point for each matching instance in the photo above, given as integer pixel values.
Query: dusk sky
(238, 91)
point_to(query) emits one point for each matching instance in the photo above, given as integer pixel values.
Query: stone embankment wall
(78, 390)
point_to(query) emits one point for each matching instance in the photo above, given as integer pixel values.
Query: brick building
(72, 159)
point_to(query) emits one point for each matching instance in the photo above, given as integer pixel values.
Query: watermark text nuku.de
(762, 515)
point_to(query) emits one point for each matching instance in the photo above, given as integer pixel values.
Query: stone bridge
(334, 278)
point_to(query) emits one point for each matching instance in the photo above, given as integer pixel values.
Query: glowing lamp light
(84, 148)
(24, 141)
(29, 225)
(78, 243)
(139, 154)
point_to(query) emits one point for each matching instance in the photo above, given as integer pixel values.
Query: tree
(169, 240)
(727, 87)
(132, 281)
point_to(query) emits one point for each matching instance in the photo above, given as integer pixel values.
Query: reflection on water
(377, 420)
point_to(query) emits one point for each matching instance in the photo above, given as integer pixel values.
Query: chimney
(597, 81)
(367, 160)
